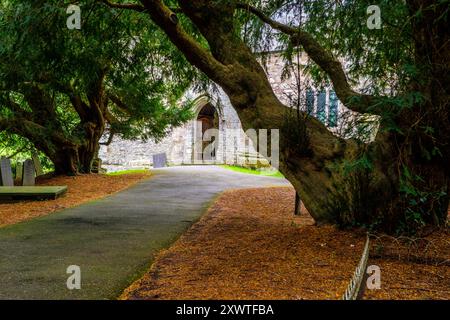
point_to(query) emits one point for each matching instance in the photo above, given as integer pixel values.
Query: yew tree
(399, 182)
(64, 89)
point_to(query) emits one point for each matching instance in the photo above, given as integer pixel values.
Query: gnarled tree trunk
(401, 190)
(70, 153)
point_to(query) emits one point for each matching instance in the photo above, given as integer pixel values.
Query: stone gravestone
(97, 165)
(37, 165)
(6, 173)
(19, 170)
(159, 160)
(29, 173)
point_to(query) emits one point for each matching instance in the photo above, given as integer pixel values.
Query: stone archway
(207, 125)
(208, 119)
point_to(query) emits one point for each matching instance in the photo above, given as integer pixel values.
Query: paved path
(112, 240)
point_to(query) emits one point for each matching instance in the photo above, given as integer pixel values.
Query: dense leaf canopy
(142, 74)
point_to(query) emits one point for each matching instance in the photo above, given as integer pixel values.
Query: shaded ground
(412, 268)
(250, 246)
(113, 240)
(402, 280)
(81, 189)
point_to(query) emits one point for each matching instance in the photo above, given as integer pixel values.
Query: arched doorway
(206, 134)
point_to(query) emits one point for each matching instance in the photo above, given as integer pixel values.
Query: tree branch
(32, 130)
(198, 56)
(119, 103)
(112, 120)
(110, 139)
(355, 101)
(18, 151)
(15, 108)
(129, 6)
(41, 102)
(81, 108)
(266, 19)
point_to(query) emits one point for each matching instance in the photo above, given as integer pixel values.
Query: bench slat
(44, 192)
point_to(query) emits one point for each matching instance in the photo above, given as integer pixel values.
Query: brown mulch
(81, 189)
(402, 280)
(412, 268)
(250, 246)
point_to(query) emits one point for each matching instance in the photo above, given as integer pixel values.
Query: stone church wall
(179, 143)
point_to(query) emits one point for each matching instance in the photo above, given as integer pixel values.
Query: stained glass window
(321, 106)
(333, 110)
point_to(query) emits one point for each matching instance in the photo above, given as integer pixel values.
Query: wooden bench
(32, 193)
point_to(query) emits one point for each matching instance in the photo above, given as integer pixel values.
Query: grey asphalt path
(112, 240)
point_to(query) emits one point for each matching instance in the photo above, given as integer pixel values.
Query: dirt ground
(412, 268)
(250, 246)
(81, 189)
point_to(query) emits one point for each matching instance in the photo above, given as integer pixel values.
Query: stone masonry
(180, 144)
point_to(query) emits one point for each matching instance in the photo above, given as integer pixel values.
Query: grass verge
(267, 173)
(124, 172)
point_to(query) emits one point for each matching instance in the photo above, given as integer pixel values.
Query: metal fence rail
(354, 286)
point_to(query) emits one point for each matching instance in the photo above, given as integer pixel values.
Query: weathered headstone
(37, 165)
(6, 173)
(96, 165)
(159, 160)
(19, 170)
(29, 174)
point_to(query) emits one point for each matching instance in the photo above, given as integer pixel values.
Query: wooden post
(298, 205)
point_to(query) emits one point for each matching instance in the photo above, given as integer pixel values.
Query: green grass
(261, 172)
(36, 192)
(120, 173)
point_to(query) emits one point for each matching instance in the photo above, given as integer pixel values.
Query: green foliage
(341, 27)
(361, 163)
(403, 65)
(261, 172)
(416, 198)
(355, 203)
(378, 62)
(125, 172)
(20, 149)
(143, 69)
(294, 133)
